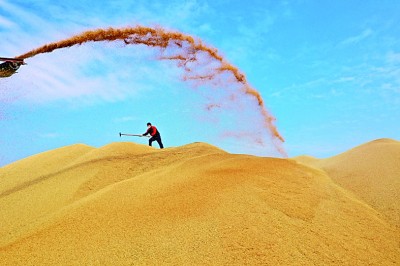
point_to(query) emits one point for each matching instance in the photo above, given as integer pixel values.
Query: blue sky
(329, 71)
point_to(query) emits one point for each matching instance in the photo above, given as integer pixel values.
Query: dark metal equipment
(10, 66)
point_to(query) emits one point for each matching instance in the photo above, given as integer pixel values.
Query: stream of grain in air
(189, 50)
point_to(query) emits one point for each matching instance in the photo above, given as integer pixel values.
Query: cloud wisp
(357, 38)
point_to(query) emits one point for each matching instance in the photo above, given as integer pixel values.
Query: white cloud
(357, 38)
(393, 57)
(6, 23)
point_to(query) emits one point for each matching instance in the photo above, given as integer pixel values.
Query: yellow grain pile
(129, 204)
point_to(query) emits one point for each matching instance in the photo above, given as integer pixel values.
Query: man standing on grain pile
(155, 135)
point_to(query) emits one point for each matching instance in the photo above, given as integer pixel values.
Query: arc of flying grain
(158, 37)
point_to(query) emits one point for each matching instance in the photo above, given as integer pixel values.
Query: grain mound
(128, 204)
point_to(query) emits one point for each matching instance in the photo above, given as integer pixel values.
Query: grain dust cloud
(184, 49)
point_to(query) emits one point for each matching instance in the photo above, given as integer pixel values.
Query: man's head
(148, 124)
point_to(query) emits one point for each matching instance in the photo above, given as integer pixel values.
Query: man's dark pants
(158, 139)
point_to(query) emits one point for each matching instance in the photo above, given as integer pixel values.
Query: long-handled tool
(131, 135)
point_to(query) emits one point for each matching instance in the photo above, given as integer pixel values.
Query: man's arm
(147, 132)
